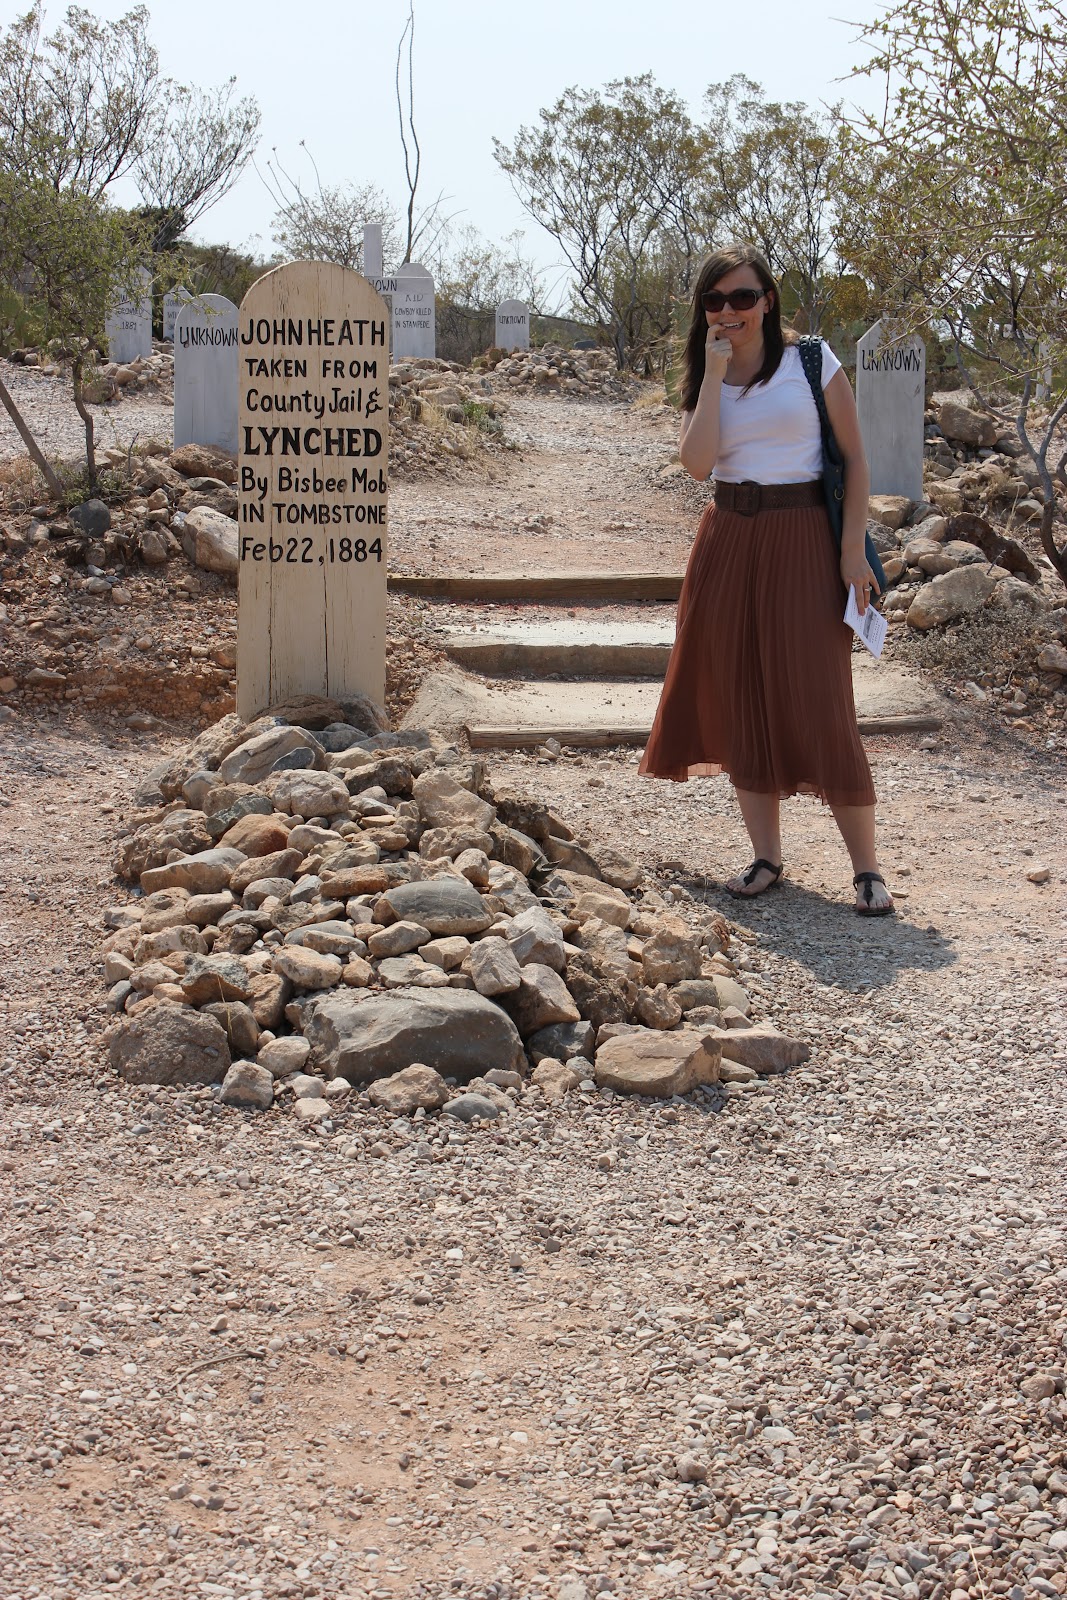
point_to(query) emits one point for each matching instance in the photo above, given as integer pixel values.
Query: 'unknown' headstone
(128, 327)
(891, 399)
(172, 304)
(312, 474)
(410, 293)
(373, 259)
(512, 325)
(205, 373)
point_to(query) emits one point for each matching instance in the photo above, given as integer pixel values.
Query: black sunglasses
(737, 299)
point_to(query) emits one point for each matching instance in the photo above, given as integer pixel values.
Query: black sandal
(868, 909)
(750, 876)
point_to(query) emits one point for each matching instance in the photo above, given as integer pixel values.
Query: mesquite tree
(961, 224)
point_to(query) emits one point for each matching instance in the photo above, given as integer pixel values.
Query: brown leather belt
(749, 498)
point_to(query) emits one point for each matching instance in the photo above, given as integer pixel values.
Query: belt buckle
(747, 497)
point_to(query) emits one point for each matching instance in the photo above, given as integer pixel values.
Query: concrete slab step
(511, 713)
(626, 648)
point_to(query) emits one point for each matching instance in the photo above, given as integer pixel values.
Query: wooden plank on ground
(562, 587)
(594, 738)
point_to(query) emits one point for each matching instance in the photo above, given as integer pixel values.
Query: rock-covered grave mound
(337, 907)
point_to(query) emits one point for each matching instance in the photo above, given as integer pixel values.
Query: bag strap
(811, 360)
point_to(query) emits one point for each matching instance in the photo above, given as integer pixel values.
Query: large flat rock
(456, 1031)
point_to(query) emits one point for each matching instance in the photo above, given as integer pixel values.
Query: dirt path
(582, 495)
(812, 1343)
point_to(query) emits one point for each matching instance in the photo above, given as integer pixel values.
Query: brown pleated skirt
(759, 684)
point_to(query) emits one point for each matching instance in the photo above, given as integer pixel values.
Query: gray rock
(693, 992)
(209, 538)
(204, 910)
(554, 1078)
(762, 1048)
(952, 595)
(649, 1062)
(562, 1041)
(493, 967)
(247, 805)
(467, 1107)
(398, 939)
(328, 939)
(361, 1036)
(242, 1029)
(306, 969)
(252, 761)
(534, 936)
(92, 518)
(212, 978)
(730, 993)
(443, 803)
(441, 905)
(281, 1057)
(397, 972)
(308, 794)
(170, 1044)
(657, 1008)
(672, 953)
(306, 1086)
(406, 1091)
(541, 999)
(247, 1085)
(206, 872)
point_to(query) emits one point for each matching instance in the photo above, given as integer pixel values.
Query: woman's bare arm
(698, 448)
(841, 407)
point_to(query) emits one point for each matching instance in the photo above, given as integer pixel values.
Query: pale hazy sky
(322, 71)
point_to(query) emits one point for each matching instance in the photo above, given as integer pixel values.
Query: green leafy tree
(610, 175)
(960, 221)
(81, 108)
(76, 251)
(779, 180)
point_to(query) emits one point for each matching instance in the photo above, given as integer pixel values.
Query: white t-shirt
(771, 433)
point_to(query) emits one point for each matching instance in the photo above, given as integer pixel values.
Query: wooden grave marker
(313, 358)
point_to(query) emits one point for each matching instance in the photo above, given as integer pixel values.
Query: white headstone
(513, 325)
(172, 304)
(313, 345)
(129, 324)
(409, 292)
(373, 259)
(205, 373)
(891, 399)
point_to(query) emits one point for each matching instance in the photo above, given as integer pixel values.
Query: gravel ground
(808, 1343)
(48, 407)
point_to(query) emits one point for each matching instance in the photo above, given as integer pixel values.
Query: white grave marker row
(205, 373)
(129, 326)
(512, 325)
(891, 399)
(172, 304)
(409, 293)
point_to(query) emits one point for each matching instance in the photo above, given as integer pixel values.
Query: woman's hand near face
(717, 353)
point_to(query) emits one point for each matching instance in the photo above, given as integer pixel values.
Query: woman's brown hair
(774, 337)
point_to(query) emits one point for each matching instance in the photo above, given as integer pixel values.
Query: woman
(760, 679)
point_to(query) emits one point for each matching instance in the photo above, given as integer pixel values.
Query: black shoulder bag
(833, 462)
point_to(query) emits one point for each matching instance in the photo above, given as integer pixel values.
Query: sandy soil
(809, 1342)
